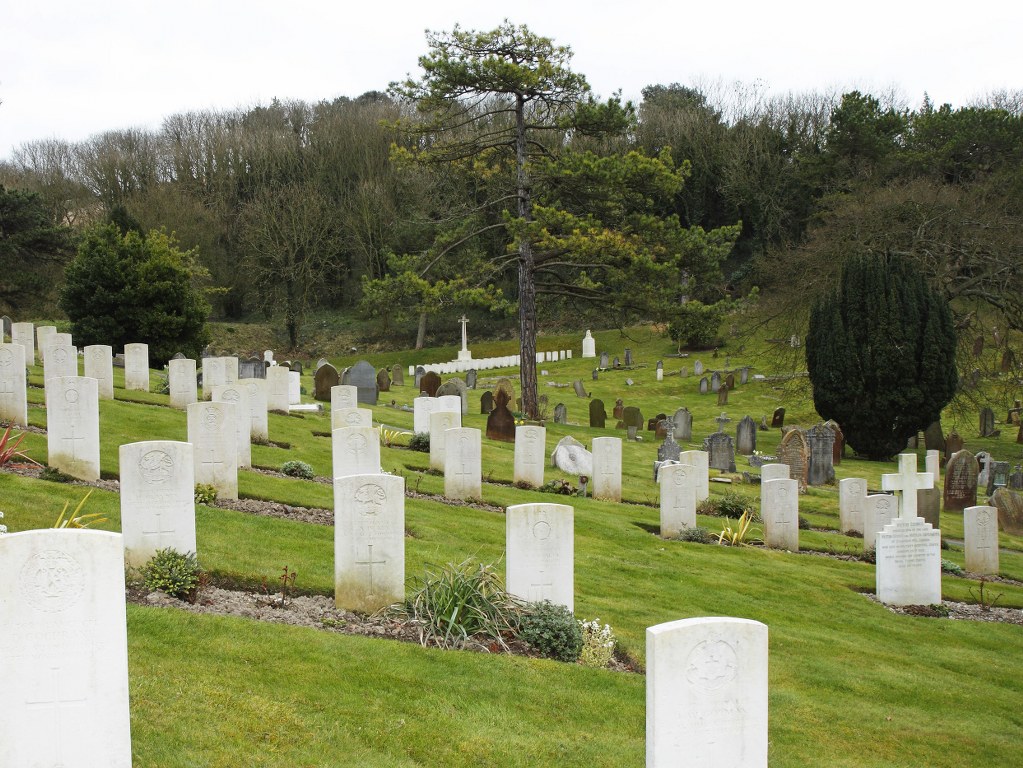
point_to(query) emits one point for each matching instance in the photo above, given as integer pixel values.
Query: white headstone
(72, 426)
(351, 417)
(879, 509)
(908, 557)
(463, 468)
(344, 396)
(223, 393)
(294, 388)
(852, 499)
(932, 464)
(607, 468)
(157, 499)
(908, 481)
(539, 539)
(213, 433)
(181, 382)
(230, 370)
(277, 397)
(422, 407)
(678, 498)
(62, 340)
(530, 452)
(99, 365)
(980, 529)
(706, 693)
(259, 424)
(44, 337)
(440, 422)
(136, 367)
(780, 513)
(24, 334)
(59, 360)
(13, 386)
(356, 451)
(213, 375)
(589, 345)
(369, 541)
(64, 645)
(700, 460)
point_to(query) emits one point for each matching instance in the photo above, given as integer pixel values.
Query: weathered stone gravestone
(157, 499)
(350, 417)
(59, 360)
(589, 345)
(539, 540)
(239, 396)
(397, 376)
(683, 420)
(440, 422)
(530, 452)
(820, 469)
(455, 388)
(987, 422)
(320, 363)
(607, 468)
(987, 463)
(278, 396)
(619, 410)
(669, 450)
(355, 451)
(746, 436)
(324, 380)
(604, 360)
(72, 426)
(369, 541)
(501, 422)
(706, 693)
(1010, 510)
(633, 420)
(429, 383)
(720, 451)
(654, 424)
(505, 385)
(65, 670)
(13, 385)
(715, 381)
(463, 467)
(470, 378)
(99, 365)
(778, 418)
(953, 444)
(628, 356)
(616, 363)
(363, 377)
(780, 512)
(730, 381)
(980, 534)
(24, 334)
(571, 456)
(486, 402)
(795, 451)
(213, 433)
(580, 390)
(253, 368)
(998, 477)
(1016, 478)
(383, 380)
(878, 510)
(934, 437)
(420, 371)
(723, 395)
(678, 498)
(560, 414)
(704, 386)
(852, 498)
(697, 368)
(701, 460)
(598, 416)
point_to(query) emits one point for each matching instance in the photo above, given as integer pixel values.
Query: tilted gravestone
(746, 436)
(723, 395)
(778, 419)
(720, 450)
(486, 402)
(598, 416)
(961, 481)
(987, 422)
(383, 380)
(683, 424)
(501, 422)
(730, 381)
(326, 376)
(1010, 510)
(571, 456)
(580, 391)
(821, 469)
(429, 383)
(560, 414)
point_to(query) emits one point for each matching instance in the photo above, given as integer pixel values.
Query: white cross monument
(909, 481)
(464, 353)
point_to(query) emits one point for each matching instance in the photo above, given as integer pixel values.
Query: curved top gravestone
(500, 422)
(455, 387)
(363, 376)
(506, 385)
(383, 380)
(429, 382)
(397, 376)
(598, 416)
(326, 377)
(795, 452)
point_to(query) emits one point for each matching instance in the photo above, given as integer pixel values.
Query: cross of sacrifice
(57, 703)
(369, 563)
(465, 339)
(908, 481)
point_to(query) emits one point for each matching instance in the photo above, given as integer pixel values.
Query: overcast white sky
(73, 69)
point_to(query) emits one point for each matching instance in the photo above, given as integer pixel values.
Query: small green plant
(598, 644)
(287, 580)
(54, 475)
(420, 441)
(162, 386)
(9, 450)
(390, 437)
(954, 568)
(552, 630)
(695, 534)
(298, 469)
(561, 487)
(739, 534)
(803, 524)
(173, 573)
(205, 493)
(986, 603)
(76, 519)
(460, 605)
(729, 504)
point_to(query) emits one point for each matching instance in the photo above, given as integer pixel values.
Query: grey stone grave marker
(486, 402)
(721, 452)
(746, 436)
(821, 468)
(560, 414)
(598, 416)
(363, 376)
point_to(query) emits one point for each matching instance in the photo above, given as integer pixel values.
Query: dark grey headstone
(821, 441)
(594, 374)
(363, 376)
(683, 424)
(560, 414)
(383, 380)
(721, 452)
(660, 365)
(598, 416)
(746, 436)
(632, 417)
(704, 386)
(1016, 478)
(961, 472)
(487, 402)
(934, 437)
(470, 378)
(628, 356)
(6, 327)
(715, 381)
(778, 419)
(580, 391)
(669, 450)
(998, 477)
(326, 376)
(397, 376)
(252, 368)
(987, 422)
(501, 422)
(420, 372)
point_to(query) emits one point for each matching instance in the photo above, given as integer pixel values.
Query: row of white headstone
(487, 363)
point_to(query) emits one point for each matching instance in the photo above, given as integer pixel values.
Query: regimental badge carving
(681, 477)
(370, 498)
(71, 396)
(51, 581)
(711, 665)
(230, 396)
(212, 419)
(541, 530)
(156, 467)
(6, 358)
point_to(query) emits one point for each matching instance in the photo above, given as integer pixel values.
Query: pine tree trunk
(421, 334)
(527, 283)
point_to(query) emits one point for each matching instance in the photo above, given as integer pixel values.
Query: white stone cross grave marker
(908, 481)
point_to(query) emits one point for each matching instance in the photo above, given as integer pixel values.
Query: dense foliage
(33, 250)
(880, 351)
(125, 288)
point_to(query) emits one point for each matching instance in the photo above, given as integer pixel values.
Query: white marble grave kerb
(99, 365)
(181, 382)
(72, 426)
(706, 693)
(239, 396)
(136, 367)
(440, 422)
(369, 541)
(13, 386)
(678, 498)
(530, 451)
(908, 481)
(212, 431)
(65, 650)
(157, 499)
(463, 467)
(607, 468)
(355, 451)
(540, 552)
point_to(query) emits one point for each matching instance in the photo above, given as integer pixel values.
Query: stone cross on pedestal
(722, 420)
(908, 481)
(465, 339)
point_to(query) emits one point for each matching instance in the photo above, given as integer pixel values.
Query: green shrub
(695, 324)
(954, 568)
(298, 469)
(695, 534)
(729, 504)
(803, 524)
(54, 475)
(420, 441)
(562, 487)
(460, 605)
(598, 644)
(205, 493)
(552, 630)
(162, 384)
(174, 573)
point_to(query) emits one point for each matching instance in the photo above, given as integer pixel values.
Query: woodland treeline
(295, 207)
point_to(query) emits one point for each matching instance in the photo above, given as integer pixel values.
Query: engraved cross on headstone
(540, 590)
(159, 528)
(6, 388)
(369, 562)
(57, 703)
(213, 461)
(722, 420)
(74, 441)
(908, 481)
